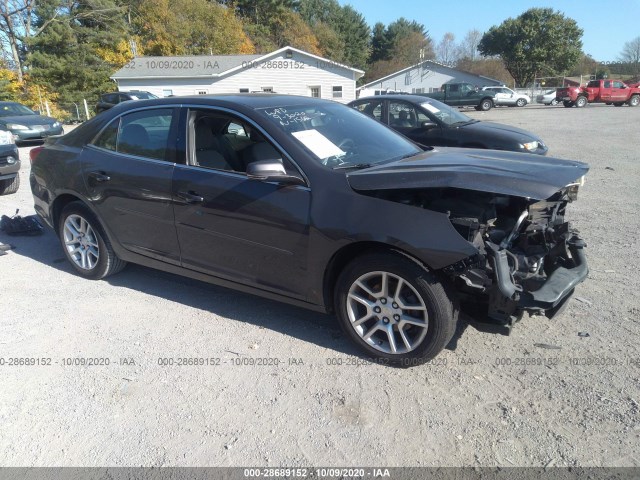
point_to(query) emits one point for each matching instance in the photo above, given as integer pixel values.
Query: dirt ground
(281, 386)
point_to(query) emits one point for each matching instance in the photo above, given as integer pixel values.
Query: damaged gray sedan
(315, 204)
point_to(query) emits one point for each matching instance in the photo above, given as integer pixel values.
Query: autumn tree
(188, 27)
(447, 50)
(631, 55)
(540, 41)
(468, 48)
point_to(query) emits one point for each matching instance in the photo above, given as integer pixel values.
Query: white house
(425, 77)
(287, 70)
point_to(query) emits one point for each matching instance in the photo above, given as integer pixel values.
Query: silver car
(506, 96)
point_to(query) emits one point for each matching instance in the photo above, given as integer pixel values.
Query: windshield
(439, 112)
(339, 136)
(11, 109)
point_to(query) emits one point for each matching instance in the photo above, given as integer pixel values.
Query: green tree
(401, 44)
(541, 41)
(352, 34)
(66, 57)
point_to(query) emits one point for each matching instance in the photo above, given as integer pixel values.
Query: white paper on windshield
(5, 137)
(430, 107)
(319, 145)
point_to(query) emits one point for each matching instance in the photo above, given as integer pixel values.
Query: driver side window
(220, 141)
(405, 115)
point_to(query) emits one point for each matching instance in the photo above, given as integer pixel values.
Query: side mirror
(429, 125)
(37, 112)
(272, 171)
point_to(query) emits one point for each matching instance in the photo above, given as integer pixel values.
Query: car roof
(411, 98)
(249, 100)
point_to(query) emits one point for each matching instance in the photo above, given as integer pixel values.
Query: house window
(244, 90)
(407, 78)
(167, 92)
(418, 90)
(434, 89)
(337, 92)
(267, 89)
(315, 92)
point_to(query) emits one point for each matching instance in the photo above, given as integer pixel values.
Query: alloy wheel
(387, 312)
(81, 242)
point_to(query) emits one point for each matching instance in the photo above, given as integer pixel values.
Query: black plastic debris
(17, 225)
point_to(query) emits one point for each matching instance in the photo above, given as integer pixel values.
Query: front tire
(521, 102)
(554, 102)
(10, 185)
(394, 309)
(581, 101)
(85, 243)
(634, 101)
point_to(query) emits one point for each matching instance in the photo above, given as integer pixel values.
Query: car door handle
(99, 177)
(190, 197)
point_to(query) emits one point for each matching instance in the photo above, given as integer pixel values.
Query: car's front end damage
(528, 257)
(530, 261)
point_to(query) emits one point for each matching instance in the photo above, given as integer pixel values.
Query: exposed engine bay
(529, 258)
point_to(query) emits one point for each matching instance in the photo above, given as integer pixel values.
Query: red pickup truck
(610, 92)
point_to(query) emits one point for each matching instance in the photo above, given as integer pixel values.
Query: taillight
(33, 154)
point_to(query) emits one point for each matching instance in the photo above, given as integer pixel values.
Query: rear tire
(485, 105)
(634, 101)
(10, 185)
(567, 103)
(581, 101)
(394, 309)
(86, 244)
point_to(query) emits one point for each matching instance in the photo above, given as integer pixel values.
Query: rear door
(619, 91)
(247, 231)
(128, 171)
(452, 95)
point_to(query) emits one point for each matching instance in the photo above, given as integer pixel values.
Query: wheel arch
(346, 254)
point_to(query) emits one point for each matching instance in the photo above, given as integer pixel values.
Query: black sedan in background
(309, 202)
(25, 124)
(432, 123)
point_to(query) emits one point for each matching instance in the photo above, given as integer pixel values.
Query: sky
(607, 24)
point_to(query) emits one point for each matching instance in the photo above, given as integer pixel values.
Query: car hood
(28, 120)
(507, 173)
(491, 128)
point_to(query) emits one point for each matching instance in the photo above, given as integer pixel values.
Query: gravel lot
(493, 400)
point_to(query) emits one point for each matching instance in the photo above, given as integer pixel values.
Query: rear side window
(143, 134)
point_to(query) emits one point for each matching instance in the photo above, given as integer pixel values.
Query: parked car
(26, 124)
(508, 97)
(110, 100)
(548, 98)
(315, 205)
(431, 123)
(9, 164)
(607, 91)
(463, 94)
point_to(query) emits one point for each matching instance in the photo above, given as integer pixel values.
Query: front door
(128, 172)
(247, 231)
